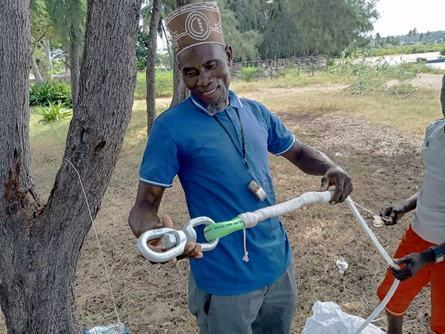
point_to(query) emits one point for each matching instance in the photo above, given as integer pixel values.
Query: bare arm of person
(414, 262)
(393, 213)
(314, 162)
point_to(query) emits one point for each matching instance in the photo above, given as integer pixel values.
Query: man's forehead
(202, 54)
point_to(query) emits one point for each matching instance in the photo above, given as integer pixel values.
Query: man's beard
(216, 106)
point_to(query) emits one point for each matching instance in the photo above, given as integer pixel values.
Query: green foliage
(249, 74)
(142, 50)
(48, 93)
(402, 90)
(53, 113)
(164, 84)
(442, 51)
(409, 49)
(322, 27)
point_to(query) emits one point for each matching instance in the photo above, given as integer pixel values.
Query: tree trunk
(74, 61)
(180, 92)
(40, 242)
(151, 63)
(35, 69)
(168, 45)
(46, 44)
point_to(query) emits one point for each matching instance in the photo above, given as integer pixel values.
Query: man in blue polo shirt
(218, 145)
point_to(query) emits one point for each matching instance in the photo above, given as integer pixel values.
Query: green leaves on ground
(53, 113)
(50, 93)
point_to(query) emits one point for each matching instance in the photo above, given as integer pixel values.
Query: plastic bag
(328, 318)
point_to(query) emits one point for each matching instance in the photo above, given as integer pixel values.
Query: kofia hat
(195, 24)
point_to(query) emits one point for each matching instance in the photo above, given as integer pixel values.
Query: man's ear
(229, 54)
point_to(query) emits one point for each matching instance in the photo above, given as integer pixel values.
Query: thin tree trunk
(168, 45)
(180, 92)
(151, 63)
(47, 48)
(40, 242)
(35, 69)
(33, 62)
(74, 62)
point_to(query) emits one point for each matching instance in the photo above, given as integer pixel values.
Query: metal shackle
(189, 230)
(176, 250)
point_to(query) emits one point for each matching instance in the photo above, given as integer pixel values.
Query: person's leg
(437, 322)
(219, 314)
(394, 324)
(279, 306)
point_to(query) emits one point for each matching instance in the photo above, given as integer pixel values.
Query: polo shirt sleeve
(280, 139)
(160, 162)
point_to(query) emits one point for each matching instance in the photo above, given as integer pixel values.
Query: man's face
(206, 73)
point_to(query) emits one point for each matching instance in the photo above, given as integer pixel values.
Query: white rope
(97, 239)
(385, 255)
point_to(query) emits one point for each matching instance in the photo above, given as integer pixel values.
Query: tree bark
(35, 70)
(151, 63)
(46, 44)
(32, 59)
(41, 242)
(180, 92)
(74, 61)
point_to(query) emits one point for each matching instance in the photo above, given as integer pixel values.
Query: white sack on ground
(328, 318)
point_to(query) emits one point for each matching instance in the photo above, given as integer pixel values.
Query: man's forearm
(312, 161)
(143, 218)
(411, 203)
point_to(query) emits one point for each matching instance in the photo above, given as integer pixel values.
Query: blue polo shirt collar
(234, 102)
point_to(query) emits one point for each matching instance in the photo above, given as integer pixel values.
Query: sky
(398, 17)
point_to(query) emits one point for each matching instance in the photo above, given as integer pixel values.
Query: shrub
(442, 52)
(49, 93)
(53, 113)
(249, 73)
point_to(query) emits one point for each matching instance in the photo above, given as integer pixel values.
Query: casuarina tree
(40, 240)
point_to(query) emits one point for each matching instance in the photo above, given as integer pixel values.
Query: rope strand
(97, 239)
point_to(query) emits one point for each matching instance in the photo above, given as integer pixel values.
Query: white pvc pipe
(250, 219)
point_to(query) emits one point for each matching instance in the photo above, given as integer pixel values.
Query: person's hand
(414, 262)
(336, 176)
(191, 250)
(392, 214)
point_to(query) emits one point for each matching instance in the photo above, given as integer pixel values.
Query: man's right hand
(191, 250)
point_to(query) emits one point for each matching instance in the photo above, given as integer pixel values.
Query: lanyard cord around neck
(243, 153)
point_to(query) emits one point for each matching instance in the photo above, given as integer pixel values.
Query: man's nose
(205, 78)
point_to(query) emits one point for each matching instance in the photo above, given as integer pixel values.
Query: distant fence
(262, 69)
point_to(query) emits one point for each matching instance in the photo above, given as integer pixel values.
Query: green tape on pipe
(219, 230)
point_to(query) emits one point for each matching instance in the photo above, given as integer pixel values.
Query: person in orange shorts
(422, 248)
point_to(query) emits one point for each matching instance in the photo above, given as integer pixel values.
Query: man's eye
(190, 73)
(211, 66)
